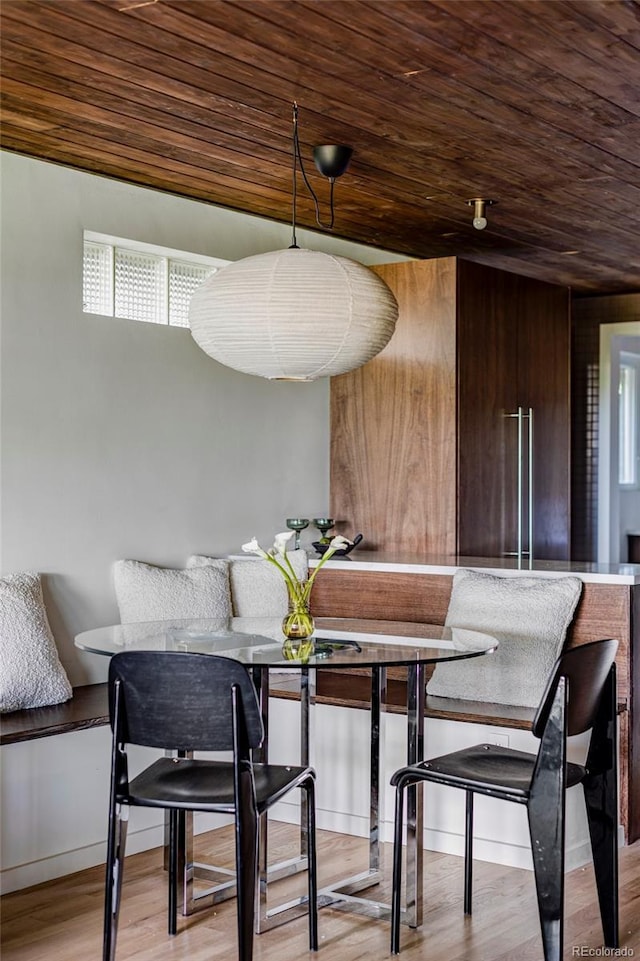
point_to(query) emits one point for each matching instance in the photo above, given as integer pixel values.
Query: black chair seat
(208, 785)
(489, 769)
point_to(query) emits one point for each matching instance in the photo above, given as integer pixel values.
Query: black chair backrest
(182, 701)
(586, 668)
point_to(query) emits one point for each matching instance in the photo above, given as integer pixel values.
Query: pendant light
(295, 314)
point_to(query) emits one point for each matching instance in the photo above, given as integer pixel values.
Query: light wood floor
(61, 920)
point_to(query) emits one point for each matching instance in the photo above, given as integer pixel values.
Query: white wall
(123, 439)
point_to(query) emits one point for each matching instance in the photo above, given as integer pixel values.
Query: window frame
(629, 361)
(167, 256)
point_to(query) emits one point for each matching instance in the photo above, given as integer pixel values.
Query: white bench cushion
(258, 589)
(148, 593)
(31, 674)
(528, 615)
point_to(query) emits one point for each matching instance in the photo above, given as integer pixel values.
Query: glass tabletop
(338, 642)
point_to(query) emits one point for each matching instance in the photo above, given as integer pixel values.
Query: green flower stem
(292, 582)
(298, 592)
(290, 566)
(306, 590)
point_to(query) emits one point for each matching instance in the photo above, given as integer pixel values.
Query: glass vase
(297, 627)
(298, 623)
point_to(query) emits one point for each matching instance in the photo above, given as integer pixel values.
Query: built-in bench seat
(87, 708)
(352, 688)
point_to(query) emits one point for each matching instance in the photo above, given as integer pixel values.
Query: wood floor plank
(61, 920)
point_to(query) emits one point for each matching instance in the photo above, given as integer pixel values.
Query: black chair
(185, 703)
(580, 696)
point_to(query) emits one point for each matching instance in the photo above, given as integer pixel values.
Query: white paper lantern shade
(293, 315)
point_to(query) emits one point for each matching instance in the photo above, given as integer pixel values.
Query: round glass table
(258, 641)
(339, 643)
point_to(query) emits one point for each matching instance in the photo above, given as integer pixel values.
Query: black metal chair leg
(602, 817)
(173, 872)
(397, 870)
(468, 853)
(601, 797)
(108, 948)
(547, 840)
(546, 811)
(246, 865)
(312, 874)
(113, 887)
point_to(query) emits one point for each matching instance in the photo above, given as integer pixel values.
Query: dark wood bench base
(87, 708)
(353, 689)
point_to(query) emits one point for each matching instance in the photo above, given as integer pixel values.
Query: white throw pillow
(31, 674)
(258, 589)
(148, 593)
(528, 615)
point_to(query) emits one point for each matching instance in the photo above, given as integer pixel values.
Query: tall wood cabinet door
(393, 422)
(513, 395)
(487, 395)
(544, 388)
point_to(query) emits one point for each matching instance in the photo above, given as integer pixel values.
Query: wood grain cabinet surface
(424, 457)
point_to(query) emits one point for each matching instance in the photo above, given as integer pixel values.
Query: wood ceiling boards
(535, 104)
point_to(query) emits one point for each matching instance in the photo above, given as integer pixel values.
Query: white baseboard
(68, 862)
(484, 849)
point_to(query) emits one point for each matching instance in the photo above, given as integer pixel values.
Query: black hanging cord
(297, 158)
(293, 243)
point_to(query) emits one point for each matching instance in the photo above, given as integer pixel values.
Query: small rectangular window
(628, 421)
(97, 279)
(138, 281)
(184, 278)
(140, 286)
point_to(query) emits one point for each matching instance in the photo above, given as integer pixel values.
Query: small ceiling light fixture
(295, 314)
(479, 205)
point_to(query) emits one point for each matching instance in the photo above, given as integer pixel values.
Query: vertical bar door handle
(530, 491)
(519, 415)
(519, 485)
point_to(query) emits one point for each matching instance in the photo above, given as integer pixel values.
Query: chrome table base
(343, 894)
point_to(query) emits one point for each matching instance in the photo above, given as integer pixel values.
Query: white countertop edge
(398, 567)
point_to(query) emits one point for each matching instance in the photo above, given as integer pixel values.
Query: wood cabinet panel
(544, 335)
(514, 352)
(487, 391)
(424, 456)
(384, 597)
(393, 422)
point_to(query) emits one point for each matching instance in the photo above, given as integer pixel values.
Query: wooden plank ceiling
(535, 104)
